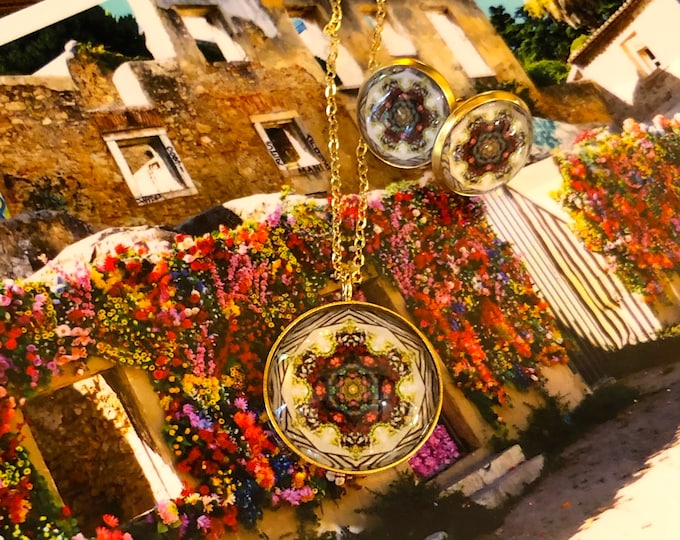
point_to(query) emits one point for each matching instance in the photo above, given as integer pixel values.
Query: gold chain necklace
(348, 273)
(351, 386)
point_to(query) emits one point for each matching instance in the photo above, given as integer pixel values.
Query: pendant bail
(347, 289)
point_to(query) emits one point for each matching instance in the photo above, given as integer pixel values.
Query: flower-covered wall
(199, 314)
(622, 190)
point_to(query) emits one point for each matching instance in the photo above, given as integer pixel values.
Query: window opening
(395, 42)
(306, 24)
(150, 166)
(95, 456)
(211, 37)
(642, 56)
(458, 43)
(290, 146)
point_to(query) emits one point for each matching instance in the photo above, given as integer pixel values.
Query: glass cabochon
(401, 108)
(353, 387)
(483, 144)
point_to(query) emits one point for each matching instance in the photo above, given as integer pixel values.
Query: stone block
(489, 471)
(511, 484)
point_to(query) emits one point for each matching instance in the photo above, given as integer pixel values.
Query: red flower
(111, 521)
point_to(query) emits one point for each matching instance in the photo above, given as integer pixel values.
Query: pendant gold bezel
(365, 110)
(441, 152)
(284, 422)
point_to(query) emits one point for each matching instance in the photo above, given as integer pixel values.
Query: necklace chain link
(348, 272)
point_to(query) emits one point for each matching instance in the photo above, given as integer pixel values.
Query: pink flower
(167, 510)
(241, 403)
(439, 451)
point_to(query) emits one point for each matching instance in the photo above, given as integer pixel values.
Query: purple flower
(203, 522)
(439, 451)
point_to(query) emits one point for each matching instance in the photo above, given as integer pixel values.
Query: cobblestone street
(619, 481)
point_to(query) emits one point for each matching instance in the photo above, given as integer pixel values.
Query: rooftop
(611, 28)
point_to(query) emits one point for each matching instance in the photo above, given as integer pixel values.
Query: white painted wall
(458, 43)
(656, 27)
(48, 12)
(157, 39)
(38, 16)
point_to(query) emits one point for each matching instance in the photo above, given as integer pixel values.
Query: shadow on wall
(657, 93)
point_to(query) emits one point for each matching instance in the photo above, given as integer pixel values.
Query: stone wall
(576, 103)
(51, 138)
(56, 136)
(28, 240)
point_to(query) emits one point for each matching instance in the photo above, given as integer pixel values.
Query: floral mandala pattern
(353, 388)
(403, 115)
(489, 147)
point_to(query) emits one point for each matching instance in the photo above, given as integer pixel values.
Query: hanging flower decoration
(623, 191)
(200, 315)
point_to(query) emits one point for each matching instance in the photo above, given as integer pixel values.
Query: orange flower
(110, 520)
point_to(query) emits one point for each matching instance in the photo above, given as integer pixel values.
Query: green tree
(576, 13)
(542, 32)
(93, 26)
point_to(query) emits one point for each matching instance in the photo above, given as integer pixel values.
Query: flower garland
(466, 289)
(613, 183)
(201, 315)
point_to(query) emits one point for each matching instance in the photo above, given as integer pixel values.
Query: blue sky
(509, 5)
(117, 8)
(120, 7)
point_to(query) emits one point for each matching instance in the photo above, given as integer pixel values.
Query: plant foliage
(93, 26)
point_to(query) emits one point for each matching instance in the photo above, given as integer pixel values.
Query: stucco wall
(616, 70)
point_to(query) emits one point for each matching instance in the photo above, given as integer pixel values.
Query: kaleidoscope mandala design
(400, 110)
(483, 144)
(353, 387)
(404, 116)
(489, 147)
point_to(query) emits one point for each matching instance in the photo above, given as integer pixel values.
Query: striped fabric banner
(583, 295)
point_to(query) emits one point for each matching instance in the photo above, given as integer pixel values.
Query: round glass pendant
(483, 144)
(353, 387)
(401, 108)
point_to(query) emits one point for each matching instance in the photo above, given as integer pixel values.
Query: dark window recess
(322, 63)
(281, 142)
(210, 50)
(649, 55)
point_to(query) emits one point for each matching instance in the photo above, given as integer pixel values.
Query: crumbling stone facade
(57, 138)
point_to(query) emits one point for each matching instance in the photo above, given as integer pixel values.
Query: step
(511, 484)
(487, 472)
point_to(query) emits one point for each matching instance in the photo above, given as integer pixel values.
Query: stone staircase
(490, 480)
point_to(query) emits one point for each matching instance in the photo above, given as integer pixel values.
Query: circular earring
(401, 108)
(483, 143)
